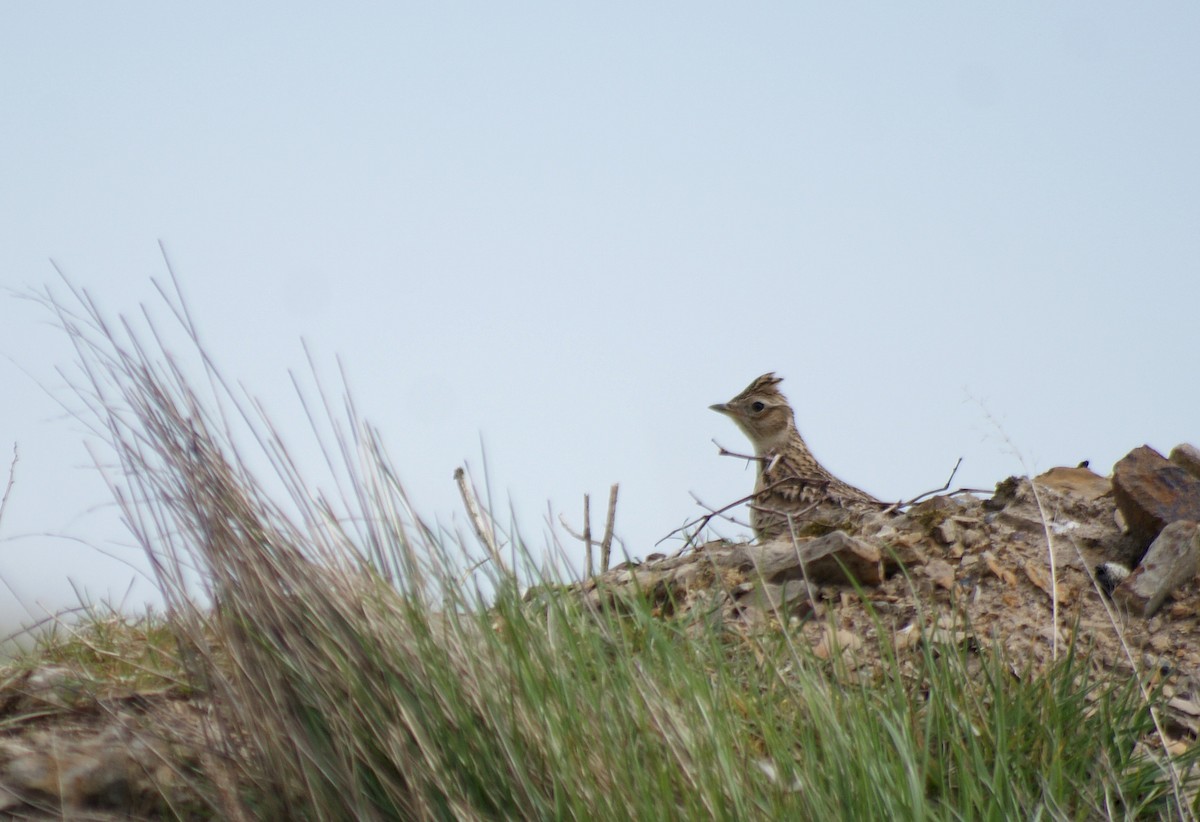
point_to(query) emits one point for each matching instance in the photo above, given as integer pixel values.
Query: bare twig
(725, 452)
(567, 527)
(721, 514)
(587, 534)
(906, 503)
(586, 537)
(609, 520)
(475, 566)
(791, 516)
(482, 529)
(12, 474)
(702, 522)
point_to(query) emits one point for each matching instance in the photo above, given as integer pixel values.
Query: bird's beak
(720, 408)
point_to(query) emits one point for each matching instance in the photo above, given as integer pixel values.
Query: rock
(1038, 575)
(826, 559)
(1151, 492)
(1007, 492)
(790, 598)
(110, 769)
(39, 689)
(947, 532)
(999, 570)
(1170, 562)
(1187, 457)
(1080, 482)
(691, 575)
(839, 642)
(941, 572)
(1065, 504)
(1110, 575)
(972, 538)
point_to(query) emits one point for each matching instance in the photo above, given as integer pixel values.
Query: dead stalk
(609, 520)
(483, 529)
(12, 475)
(587, 534)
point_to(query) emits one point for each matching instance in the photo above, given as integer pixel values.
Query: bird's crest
(766, 384)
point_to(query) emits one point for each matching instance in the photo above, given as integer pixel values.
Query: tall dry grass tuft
(353, 674)
(331, 647)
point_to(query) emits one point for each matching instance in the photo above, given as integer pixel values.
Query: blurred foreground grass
(357, 670)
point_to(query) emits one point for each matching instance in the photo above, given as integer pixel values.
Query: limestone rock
(826, 559)
(1187, 457)
(783, 599)
(1081, 482)
(1151, 492)
(50, 686)
(110, 769)
(946, 533)
(1068, 506)
(837, 642)
(1170, 562)
(941, 572)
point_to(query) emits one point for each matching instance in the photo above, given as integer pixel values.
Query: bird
(792, 486)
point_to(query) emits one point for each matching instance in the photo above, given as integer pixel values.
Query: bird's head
(762, 412)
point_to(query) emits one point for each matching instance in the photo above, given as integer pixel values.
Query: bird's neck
(785, 442)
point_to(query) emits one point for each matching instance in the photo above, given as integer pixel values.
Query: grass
(357, 671)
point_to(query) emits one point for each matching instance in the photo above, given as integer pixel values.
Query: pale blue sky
(572, 229)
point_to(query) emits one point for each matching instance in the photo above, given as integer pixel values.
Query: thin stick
(475, 514)
(725, 452)
(587, 535)
(12, 474)
(711, 510)
(567, 527)
(898, 505)
(606, 543)
(703, 521)
(474, 567)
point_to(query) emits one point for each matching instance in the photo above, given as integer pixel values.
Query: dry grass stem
(482, 525)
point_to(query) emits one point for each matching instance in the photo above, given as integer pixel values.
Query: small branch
(482, 530)
(474, 567)
(716, 513)
(703, 521)
(12, 475)
(587, 535)
(790, 515)
(567, 527)
(609, 520)
(725, 452)
(898, 505)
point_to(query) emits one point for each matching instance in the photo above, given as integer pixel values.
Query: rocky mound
(1110, 564)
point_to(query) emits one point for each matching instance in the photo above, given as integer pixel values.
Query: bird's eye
(757, 407)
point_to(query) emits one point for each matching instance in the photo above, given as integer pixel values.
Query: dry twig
(586, 536)
(12, 475)
(906, 503)
(702, 522)
(609, 520)
(722, 451)
(482, 529)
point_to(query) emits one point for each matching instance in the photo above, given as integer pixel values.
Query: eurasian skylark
(791, 483)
